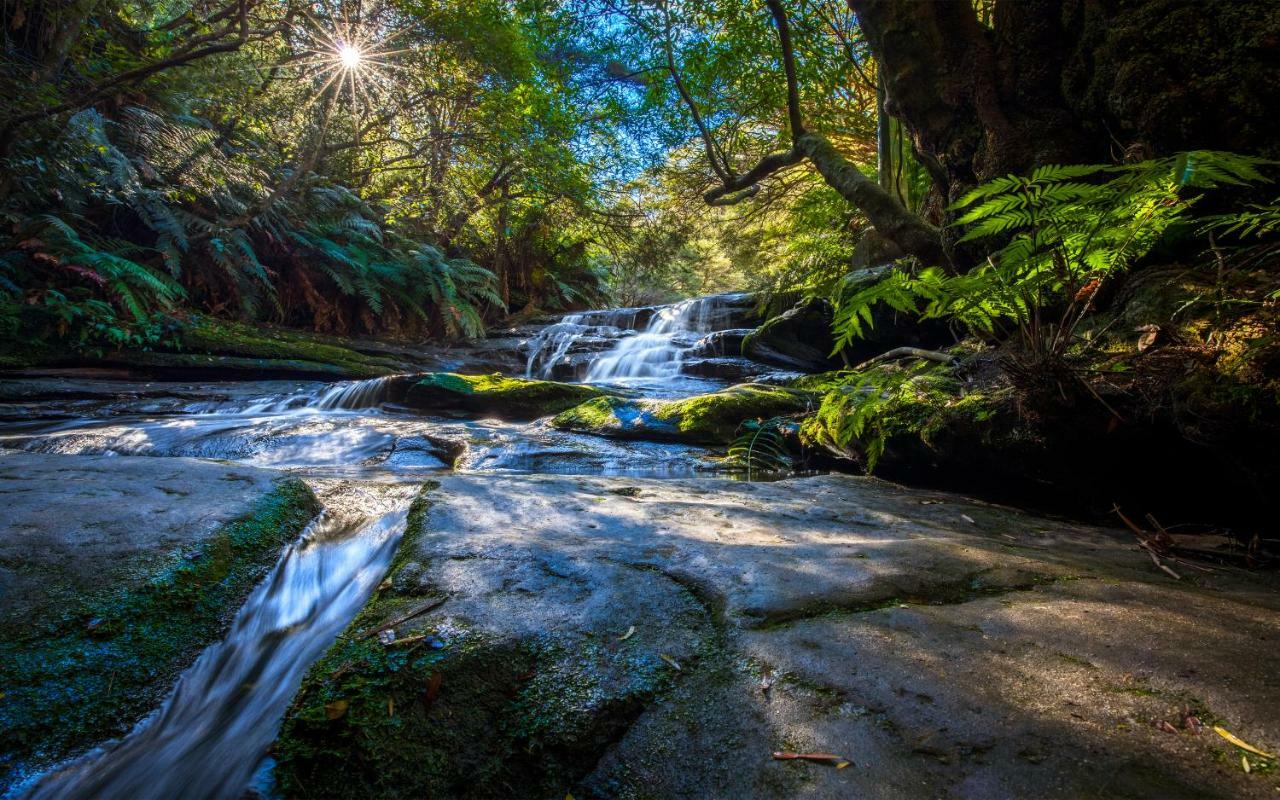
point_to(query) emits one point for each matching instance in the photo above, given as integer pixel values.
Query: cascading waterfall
(345, 396)
(210, 735)
(655, 352)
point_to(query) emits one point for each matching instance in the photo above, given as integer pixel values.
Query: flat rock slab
(114, 573)
(694, 627)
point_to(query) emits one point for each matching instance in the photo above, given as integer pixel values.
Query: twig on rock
(908, 352)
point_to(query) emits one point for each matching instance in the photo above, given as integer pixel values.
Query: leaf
(766, 678)
(433, 687)
(628, 634)
(1149, 335)
(670, 661)
(1243, 745)
(335, 709)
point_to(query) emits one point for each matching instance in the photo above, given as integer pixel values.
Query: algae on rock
(702, 419)
(509, 398)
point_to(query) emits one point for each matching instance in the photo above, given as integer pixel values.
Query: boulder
(799, 338)
(105, 600)
(703, 419)
(721, 344)
(503, 397)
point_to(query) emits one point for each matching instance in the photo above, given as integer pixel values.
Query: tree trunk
(911, 233)
(1062, 81)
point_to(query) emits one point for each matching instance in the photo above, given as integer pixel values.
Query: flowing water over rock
(209, 736)
(609, 347)
(364, 457)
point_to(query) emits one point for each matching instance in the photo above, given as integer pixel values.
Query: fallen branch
(400, 621)
(1150, 549)
(909, 352)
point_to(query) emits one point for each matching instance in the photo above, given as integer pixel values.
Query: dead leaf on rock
(628, 634)
(766, 678)
(1238, 742)
(839, 762)
(335, 709)
(671, 661)
(433, 687)
(1149, 335)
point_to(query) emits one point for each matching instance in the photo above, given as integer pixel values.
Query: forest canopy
(422, 169)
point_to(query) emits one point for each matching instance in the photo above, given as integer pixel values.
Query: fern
(1064, 230)
(761, 448)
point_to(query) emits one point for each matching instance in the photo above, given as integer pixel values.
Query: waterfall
(344, 396)
(658, 351)
(552, 343)
(624, 352)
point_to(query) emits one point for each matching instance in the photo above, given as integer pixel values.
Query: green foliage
(1062, 232)
(862, 411)
(761, 448)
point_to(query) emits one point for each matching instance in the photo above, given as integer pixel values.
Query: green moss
(703, 419)
(223, 338)
(75, 680)
(510, 398)
(207, 343)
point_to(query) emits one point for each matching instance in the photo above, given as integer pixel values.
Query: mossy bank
(100, 612)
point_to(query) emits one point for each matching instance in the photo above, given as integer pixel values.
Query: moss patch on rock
(702, 419)
(508, 398)
(73, 679)
(207, 335)
(203, 344)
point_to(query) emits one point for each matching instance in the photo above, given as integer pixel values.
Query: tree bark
(909, 232)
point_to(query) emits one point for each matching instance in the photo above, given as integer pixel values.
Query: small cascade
(658, 351)
(208, 737)
(619, 348)
(552, 343)
(353, 396)
(345, 396)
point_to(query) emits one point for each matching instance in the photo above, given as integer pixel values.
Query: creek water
(364, 458)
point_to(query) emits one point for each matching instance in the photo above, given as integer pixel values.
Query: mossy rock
(702, 419)
(507, 398)
(207, 345)
(98, 644)
(280, 348)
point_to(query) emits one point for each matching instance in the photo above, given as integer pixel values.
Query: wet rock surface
(114, 573)
(635, 638)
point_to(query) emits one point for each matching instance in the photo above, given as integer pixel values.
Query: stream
(364, 458)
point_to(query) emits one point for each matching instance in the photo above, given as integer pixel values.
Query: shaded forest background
(1071, 203)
